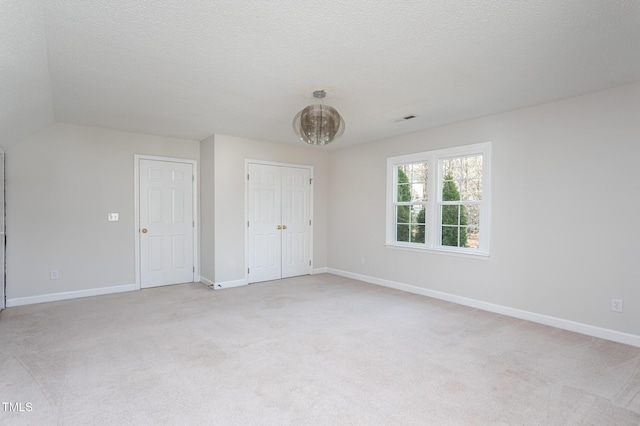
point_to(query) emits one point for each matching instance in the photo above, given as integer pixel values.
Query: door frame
(246, 208)
(3, 238)
(196, 220)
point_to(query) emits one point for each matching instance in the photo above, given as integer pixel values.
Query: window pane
(450, 215)
(473, 237)
(404, 189)
(450, 236)
(402, 233)
(464, 190)
(419, 192)
(420, 216)
(462, 236)
(414, 213)
(406, 170)
(414, 174)
(472, 190)
(418, 172)
(404, 192)
(417, 233)
(472, 167)
(412, 182)
(472, 215)
(450, 191)
(403, 214)
(451, 168)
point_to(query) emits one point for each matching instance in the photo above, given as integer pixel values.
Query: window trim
(433, 228)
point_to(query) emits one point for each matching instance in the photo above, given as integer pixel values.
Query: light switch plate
(113, 217)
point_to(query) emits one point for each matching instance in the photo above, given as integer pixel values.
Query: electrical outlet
(616, 305)
(54, 275)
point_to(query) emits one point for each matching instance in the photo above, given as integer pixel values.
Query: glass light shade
(318, 124)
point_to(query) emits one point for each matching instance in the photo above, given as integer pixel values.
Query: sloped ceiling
(189, 69)
(26, 103)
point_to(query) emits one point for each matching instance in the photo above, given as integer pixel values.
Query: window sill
(469, 254)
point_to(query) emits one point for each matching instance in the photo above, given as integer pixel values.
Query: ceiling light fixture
(318, 124)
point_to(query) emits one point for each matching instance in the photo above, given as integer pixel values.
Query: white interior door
(166, 223)
(279, 222)
(265, 228)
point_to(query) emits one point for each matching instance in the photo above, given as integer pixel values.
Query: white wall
(207, 223)
(60, 185)
(229, 156)
(564, 223)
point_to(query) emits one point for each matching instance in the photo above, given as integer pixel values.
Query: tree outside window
(455, 215)
(410, 202)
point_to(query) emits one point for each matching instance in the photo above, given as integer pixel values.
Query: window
(440, 200)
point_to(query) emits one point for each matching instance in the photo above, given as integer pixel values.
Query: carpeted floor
(313, 350)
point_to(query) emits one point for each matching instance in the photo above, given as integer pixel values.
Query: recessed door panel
(177, 205)
(177, 254)
(155, 253)
(155, 205)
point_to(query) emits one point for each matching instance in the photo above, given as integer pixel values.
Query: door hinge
(247, 224)
(247, 270)
(309, 222)
(193, 178)
(247, 176)
(194, 269)
(310, 180)
(309, 263)
(193, 223)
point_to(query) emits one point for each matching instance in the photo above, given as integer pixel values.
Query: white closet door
(279, 234)
(296, 245)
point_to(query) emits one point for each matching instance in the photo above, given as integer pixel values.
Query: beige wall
(60, 185)
(563, 225)
(207, 223)
(564, 234)
(229, 155)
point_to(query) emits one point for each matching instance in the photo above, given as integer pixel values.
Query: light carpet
(313, 350)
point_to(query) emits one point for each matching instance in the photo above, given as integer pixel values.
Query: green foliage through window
(440, 200)
(454, 216)
(410, 218)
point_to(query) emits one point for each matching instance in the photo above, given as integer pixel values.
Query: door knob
(143, 230)
(284, 226)
(279, 227)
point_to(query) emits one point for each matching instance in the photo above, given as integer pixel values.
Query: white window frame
(433, 226)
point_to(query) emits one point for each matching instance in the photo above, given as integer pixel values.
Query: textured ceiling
(246, 67)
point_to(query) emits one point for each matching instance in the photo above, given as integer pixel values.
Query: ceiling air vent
(406, 117)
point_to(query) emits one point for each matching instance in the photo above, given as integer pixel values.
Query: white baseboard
(589, 330)
(229, 284)
(206, 281)
(53, 297)
(319, 271)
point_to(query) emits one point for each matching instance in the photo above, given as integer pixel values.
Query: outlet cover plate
(616, 305)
